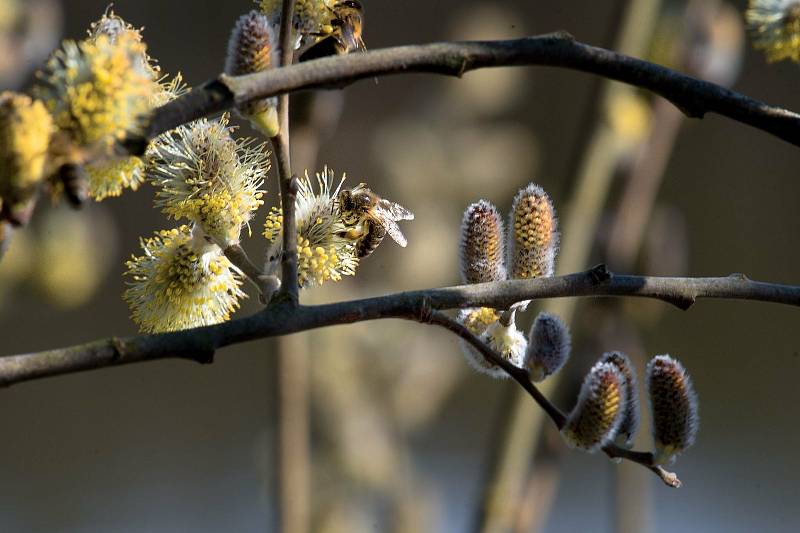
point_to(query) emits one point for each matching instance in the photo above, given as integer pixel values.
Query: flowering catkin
(507, 341)
(630, 416)
(208, 177)
(482, 256)
(25, 130)
(594, 421)
(673, 405)
(252, 48)
(97, 91)
(323, 251)
(181, 281)
(533, 234)
(110, 177)
(549, 346)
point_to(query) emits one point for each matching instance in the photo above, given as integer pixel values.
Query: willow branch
(519, 375)
(283, 318)
(693, 96)
(266, 284)
(287, 183)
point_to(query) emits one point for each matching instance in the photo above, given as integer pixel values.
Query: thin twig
(282, 318)
(266, 284)
(288, 184)
(519, 375)
(693, 96)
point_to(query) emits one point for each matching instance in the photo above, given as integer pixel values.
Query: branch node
(119, 348)
(426, 310)
(600, 274)
(739, 276)
(562, 35)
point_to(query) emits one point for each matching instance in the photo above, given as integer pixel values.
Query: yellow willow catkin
(252, 48)
(594, 421)
(482, 251)
(25, 130)
(630, 416)
(533, 234)
(673, 406)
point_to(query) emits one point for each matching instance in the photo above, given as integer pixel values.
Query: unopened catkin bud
(673, 405)
(482, 244)
(533, 235)
(549, 346)
(630, 416)
(594, 421)
(25, 130)
(252, 48)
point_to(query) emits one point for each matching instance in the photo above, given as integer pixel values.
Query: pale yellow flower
(181, 281)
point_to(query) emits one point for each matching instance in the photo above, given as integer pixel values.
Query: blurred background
(382, 426)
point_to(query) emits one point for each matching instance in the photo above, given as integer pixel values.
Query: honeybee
(370, 218)
(348, 25)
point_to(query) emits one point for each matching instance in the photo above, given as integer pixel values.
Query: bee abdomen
(374, 237)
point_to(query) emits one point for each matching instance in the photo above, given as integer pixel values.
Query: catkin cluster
(607, 408)
(488, 252)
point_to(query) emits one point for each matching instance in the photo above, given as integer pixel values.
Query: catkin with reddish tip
(630, 416)
(533, 234)
(594, 421)
(673, 405)
(252, 48)
(482, 252)
(549, 345)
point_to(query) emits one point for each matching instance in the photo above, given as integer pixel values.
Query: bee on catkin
(673, 405)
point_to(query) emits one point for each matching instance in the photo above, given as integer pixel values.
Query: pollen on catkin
(323, 251)
(533, 234)
(482, 251)
(252, 48)
(549, 346)
(181, 281)
(673, 406)
(594, 421)
(25, 130)
(208, 177)
(775, 28)
(97, 91)
(110, 177)
(507, 341)
(630, 416)
(477, 320)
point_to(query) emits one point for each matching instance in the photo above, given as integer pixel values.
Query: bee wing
(394, 232)
(394, 211)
